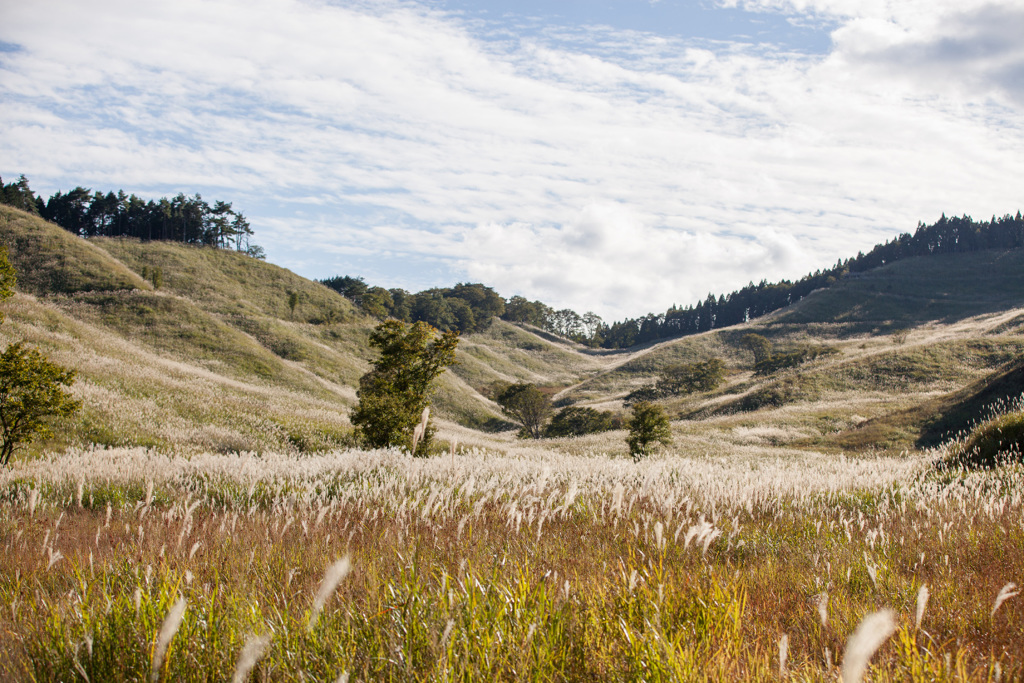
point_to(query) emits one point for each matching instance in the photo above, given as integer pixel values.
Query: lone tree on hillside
(394, 393)
(647, 428)
(528, 406)
(691, 377)
(758, 345)
(30, 392)
(30, 385)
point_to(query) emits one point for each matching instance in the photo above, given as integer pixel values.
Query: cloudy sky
(609, 155)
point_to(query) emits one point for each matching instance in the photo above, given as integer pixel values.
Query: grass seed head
(922, 602)
(255, 648)
(334, 575)
(172, 622)
(873, 630)
(1005, 593)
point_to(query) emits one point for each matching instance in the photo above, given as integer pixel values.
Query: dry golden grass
(535, 565)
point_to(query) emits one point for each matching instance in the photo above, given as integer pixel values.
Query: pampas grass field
(205, 516)
(527, 564)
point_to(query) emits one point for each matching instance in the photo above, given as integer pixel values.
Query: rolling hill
(186, 348)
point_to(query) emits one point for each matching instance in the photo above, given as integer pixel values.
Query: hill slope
(215, 358)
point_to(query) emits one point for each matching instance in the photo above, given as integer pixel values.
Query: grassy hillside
(944, 287)
(216, 358)
(264, 375)
(909, 339)
(50, 260)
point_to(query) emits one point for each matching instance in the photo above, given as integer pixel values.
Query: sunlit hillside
(215, 358)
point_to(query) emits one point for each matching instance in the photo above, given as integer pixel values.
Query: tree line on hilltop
(189, 220)
(945, 236)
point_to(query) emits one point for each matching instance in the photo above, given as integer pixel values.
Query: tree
(520, 310)
(580, 420)
(30, 385)
(528, 406)
(30, 391)
(647, 428)
(691, 377)
(377, 301)
(757, 345)
(394, 393)
(19, 195)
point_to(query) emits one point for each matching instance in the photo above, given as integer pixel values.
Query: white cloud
(592, 168)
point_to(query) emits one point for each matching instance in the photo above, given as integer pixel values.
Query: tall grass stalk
(170, 626)
(334, 575)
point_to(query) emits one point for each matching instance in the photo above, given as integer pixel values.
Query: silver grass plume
(821, 602)
(783, 654)
(255, 648)
(170, 626)
(421, 429)
(334, 575)
(1005, 593)
(873, 630)
(922, 603)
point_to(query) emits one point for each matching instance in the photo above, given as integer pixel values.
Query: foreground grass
(480, 567)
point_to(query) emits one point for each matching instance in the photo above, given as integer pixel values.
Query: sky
(615, 156)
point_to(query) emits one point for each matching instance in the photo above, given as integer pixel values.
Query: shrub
(646, 394)
(996, 441)
(758, 345)
(792, 359)
(691, 377)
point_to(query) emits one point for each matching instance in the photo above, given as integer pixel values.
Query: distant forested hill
(467, 307)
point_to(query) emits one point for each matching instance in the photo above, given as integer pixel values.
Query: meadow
(526, 564)
(206, 517)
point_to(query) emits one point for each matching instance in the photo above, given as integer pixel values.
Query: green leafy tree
(518, 309)
(30, 385)
(377, 301)
(527, 405)
(647, 428)
(580, 420)
(19, 195)
(31, 391)
(690, 377)
(394, 393)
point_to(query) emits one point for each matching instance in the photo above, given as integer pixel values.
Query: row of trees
(467, 308)
(190, 220)
(464, 308)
